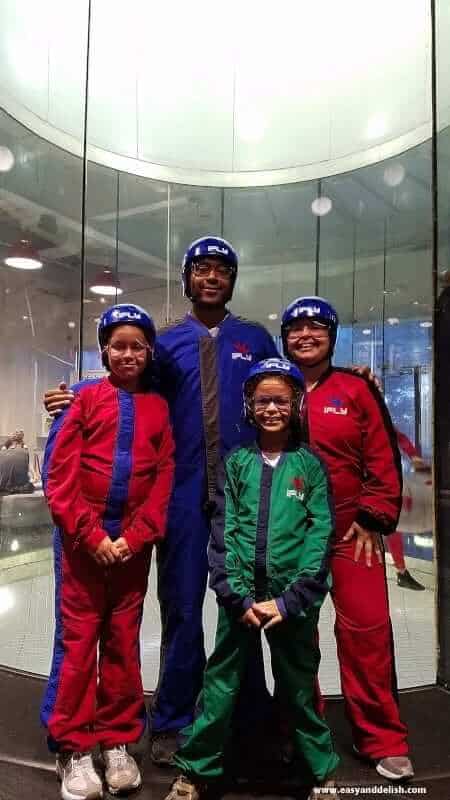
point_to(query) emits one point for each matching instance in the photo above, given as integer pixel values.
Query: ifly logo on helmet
(298, 490)
(214, 248)
(277, 363)
(307, 311)
(116, 314)
(242, 351)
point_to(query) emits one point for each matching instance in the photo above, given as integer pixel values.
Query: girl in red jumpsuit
(107, 476)
(350, 428)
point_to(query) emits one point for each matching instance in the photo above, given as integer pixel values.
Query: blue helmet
(316, 308)
(125, 314)
(270, 366)
(208, 246)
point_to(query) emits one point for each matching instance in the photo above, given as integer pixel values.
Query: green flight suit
(271, 538)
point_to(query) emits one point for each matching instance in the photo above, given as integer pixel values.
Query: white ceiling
(234, 94)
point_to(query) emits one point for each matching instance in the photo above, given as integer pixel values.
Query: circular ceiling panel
(227, 95)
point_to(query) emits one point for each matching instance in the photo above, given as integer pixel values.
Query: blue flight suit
(201, 377)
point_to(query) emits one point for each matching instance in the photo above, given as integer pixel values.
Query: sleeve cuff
(281, 607)
(134, 541)
(92, 540)
(247, 603)
(373, 523)
(138, 536)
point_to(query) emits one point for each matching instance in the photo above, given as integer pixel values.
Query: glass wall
(370, 254)
(363, 239)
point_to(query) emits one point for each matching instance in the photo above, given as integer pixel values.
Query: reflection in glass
(370, 254)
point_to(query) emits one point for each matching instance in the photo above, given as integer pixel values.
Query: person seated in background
(17, 439)
(14, 465)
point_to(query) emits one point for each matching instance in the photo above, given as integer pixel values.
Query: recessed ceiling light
(393, 320)
(71, 324)
(394, 174)
(24, 316)
(106, 283)
(367, 331)
(321, 206)
(426, 324)
(6, 159)
(273, 316)
(23, 255)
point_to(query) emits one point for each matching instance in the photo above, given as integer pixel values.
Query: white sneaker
(395, 768)
(121, 771)
(79, 780)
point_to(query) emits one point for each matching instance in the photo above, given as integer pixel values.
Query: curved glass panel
(362, 238)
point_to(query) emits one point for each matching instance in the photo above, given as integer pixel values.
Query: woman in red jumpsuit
(350, 427)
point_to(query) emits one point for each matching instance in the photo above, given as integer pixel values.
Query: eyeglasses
(136, 348)
(202, 269)
(313, 325)
(262, 403)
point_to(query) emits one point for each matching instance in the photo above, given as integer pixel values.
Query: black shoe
(406, 581)
(163, 747)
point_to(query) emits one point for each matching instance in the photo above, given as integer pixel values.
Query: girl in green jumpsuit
(269, 566)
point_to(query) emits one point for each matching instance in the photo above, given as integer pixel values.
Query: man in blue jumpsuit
(203, 362)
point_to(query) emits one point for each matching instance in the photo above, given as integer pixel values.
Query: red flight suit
(351, 429)
(107, 471)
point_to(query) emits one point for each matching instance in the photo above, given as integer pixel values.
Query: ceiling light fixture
(394, 174)
(273, 316)
(106, 283)
(321, 206)
(393, 320)
(367, 331)
(426, 324)
(23, 256)
(6, 159)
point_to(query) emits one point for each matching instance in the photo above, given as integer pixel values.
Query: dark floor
(26, 771)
